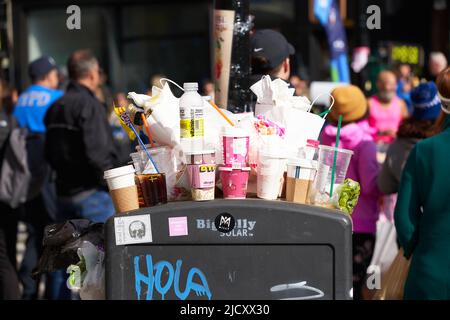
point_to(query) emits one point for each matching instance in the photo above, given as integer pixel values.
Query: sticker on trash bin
(224, 222)
(178, 226)
(133, 229)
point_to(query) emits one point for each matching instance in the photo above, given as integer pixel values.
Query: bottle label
(192, 125)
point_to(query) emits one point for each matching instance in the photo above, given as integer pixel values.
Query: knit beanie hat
(425, 101)
(350, 102)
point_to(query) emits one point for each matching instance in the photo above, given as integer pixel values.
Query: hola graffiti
(154, 279)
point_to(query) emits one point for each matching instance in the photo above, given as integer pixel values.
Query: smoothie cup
(235, 147)
(234, 182)
(202, 175)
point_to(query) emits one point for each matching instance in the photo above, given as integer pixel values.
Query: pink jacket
(363, 168)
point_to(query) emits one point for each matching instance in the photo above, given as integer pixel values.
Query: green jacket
(422, 217)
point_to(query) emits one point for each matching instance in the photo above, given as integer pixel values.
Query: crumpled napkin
(278, 93)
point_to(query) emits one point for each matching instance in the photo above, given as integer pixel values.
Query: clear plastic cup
(164, 159)
(322, 184)
(300, 177)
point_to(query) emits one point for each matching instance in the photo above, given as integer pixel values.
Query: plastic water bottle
(191, 118)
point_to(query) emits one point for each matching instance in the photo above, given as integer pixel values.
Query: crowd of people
(72, 136)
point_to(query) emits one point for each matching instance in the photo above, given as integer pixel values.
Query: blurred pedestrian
(39, 210)
(155, 81)
(405, 84)
(426, 109)
(208, 88)
(422, 214)
(436, 64)
(80, 147)
(386, 109)
(301, 86)
(103, 93)
(270, 55)
(9, 282)
(356, 135)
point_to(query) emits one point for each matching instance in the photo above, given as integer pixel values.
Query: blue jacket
(32, 105)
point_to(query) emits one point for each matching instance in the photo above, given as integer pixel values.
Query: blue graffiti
(154, 280)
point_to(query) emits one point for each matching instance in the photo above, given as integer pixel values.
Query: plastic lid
(234, 169)
(274, 155)
(234, 132)
(304, 163)
(150, 149)
(121, 171)
(194, 153)
(328, 148)
(190, 86)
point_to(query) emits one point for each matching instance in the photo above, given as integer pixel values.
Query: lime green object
(348, 193)
(77, 273)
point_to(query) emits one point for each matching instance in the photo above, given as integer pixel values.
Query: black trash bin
(229, 249)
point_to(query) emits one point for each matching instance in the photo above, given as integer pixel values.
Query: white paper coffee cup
(122, 188)
(118, 178)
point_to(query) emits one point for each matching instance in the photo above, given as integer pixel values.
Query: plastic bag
(393, 282)
(61, 242)
(89, 274)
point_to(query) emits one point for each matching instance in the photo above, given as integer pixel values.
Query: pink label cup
(202, 176)
(235, 144)
(234, 182)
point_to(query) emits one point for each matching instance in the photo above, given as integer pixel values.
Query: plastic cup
(235, 147)
(300, 177)
(165, 161)
(234, 182)
(270, 176)
(122, 188)
(153, 188)
(322, 183)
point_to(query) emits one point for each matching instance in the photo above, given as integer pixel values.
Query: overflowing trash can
(229, 250)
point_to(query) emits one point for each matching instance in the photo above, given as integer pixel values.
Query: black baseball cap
(40, 67)
(272, 46)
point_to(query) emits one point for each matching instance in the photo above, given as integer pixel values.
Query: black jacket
(79, 144)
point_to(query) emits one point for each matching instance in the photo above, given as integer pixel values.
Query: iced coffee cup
(234, 182)
(300, 177)
(329, 157)
(153, 187)
(122, 188)
(270, 175)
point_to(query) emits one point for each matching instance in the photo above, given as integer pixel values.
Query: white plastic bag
(89, 275)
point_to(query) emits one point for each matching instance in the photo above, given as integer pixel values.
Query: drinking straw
(221, 113)
(333, 171)
(147, 128)
(324, 113)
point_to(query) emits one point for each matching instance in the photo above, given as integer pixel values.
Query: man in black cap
(270, 55)
(80, 147)
(39, 210)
